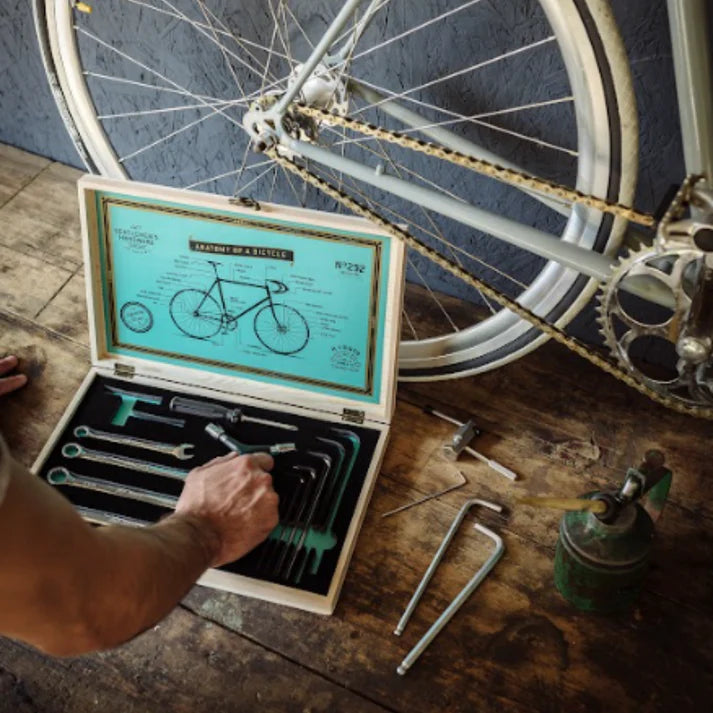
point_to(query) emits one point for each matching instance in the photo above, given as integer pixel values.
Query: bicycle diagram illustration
(201, 314)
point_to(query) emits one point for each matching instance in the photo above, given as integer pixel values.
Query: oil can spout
(650, 483)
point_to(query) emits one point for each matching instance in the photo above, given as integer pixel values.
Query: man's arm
(68, 588)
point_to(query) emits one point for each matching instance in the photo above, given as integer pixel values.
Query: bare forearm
(68, 588)
(140, 575)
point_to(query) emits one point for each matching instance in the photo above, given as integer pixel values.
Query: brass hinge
(351, 415)
(124, 370)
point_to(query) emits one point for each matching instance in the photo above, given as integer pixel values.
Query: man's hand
(232, 500)
(10, 383)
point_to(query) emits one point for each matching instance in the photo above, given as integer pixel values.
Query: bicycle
(289, 82)
(279, 327)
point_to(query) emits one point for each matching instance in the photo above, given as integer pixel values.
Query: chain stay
(503, 300)
(492, 170)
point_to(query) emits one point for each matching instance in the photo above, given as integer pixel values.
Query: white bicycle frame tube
(689, 22)
(535, 241)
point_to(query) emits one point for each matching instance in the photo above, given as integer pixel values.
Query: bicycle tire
(183, 309)
(596, 64)
(286, 339)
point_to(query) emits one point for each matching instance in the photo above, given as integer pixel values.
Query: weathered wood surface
(515, 646)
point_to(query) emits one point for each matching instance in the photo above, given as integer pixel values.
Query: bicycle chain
(487, 168)
(503, 300)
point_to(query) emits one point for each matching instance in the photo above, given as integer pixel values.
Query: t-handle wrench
(218, 432)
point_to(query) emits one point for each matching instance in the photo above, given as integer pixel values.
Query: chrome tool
(74, 450)
(463, 481)
(178, 451)
(460, 440)
(63, 476)
(462, 596)
(206, 409)
(219, 433)
(99, 517)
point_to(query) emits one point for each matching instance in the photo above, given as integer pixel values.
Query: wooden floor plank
(42, 221)
(66, 312)
(28, 283)
(184, 665)
(17, 169)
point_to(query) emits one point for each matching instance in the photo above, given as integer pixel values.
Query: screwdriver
(206, 409)
(493, 464)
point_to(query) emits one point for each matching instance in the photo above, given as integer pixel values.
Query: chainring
(644, 336)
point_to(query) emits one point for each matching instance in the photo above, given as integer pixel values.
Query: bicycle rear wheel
(155, 90)
(196, 313)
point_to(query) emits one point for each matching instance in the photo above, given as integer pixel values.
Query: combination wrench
(74, 450)
(179, 451)
(63, 476)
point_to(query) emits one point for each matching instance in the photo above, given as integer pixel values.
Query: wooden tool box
(270, 326)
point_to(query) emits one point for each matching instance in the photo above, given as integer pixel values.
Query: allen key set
(119, 483)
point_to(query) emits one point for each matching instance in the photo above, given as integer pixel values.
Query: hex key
(439, 556)
(457, 602)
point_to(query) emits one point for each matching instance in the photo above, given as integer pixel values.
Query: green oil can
(601, 558)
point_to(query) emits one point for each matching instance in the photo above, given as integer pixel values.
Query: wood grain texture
(515, 646)
(18, 169)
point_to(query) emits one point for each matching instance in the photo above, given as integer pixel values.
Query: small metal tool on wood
(463, 481)
(206, 409)
(462, 596)
(460, 442)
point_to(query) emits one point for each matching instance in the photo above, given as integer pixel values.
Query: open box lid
(291, 306)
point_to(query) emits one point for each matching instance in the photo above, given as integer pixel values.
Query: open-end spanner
(99, 517)
(178, 451)
(74, 450)
(63, 476)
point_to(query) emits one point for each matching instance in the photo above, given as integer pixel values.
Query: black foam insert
(98, 408)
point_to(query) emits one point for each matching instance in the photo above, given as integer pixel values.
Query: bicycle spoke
(472, 117)
(223, 50)
(165, 110)
(393, 96)
(156, 87)
(167, 137)
(156, 73)
(399, 218)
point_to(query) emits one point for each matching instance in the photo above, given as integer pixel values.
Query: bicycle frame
(688, 21)
(229, 319)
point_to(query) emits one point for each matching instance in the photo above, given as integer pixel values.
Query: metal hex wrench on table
(178, 451)
(74, 450)
(462, 596)
(63, 476)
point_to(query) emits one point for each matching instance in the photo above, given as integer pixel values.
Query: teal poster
(270, 300)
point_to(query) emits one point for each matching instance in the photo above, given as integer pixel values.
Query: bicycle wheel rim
(557, 293)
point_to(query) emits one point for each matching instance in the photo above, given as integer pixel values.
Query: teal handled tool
(127, 409)
(605, 538)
